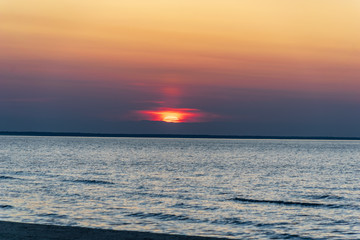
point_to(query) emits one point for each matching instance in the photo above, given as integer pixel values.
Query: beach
(24, 231)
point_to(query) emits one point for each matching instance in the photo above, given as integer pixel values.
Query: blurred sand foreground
(26, 231)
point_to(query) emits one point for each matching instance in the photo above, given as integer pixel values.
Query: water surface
(254, 189)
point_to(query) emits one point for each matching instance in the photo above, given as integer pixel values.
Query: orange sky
(298, 45)
(276, 38)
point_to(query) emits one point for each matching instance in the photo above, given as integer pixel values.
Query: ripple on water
(325, 196)
(52, 215)
(6, 177)
(6, 206)
(291, 203)
(232, 221)
(90, 181)
(190, 206)
(161, 216)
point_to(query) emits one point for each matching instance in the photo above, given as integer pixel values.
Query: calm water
(253, 189)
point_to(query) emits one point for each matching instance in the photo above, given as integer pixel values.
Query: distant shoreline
(113, 135)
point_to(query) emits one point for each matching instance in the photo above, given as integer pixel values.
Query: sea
(237, 189)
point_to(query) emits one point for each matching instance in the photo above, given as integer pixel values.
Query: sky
(233, 67)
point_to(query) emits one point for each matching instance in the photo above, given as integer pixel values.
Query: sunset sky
(238, 67)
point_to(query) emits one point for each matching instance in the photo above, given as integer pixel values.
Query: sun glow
(173, 115)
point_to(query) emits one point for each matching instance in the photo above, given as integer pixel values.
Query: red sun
(172, 115)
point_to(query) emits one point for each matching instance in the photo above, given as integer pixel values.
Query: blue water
(252, 189)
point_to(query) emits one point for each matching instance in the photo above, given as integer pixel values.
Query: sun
(171, 117)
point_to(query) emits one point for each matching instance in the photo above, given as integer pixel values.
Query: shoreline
(23, 231)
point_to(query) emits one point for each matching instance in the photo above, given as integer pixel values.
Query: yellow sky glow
(280, 43)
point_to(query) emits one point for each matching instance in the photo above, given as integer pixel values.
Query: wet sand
(26, 231)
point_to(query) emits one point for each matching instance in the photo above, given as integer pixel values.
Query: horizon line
(215, 136)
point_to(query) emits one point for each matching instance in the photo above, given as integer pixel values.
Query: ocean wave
(290, 236)
(189, 206)
(272, 224)
(89, 181)
(6, 206)
(52, 215)
(161, 216)
(325, 196)
(289, 203)
(6, 177)
(231, 221)
(152, 195)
